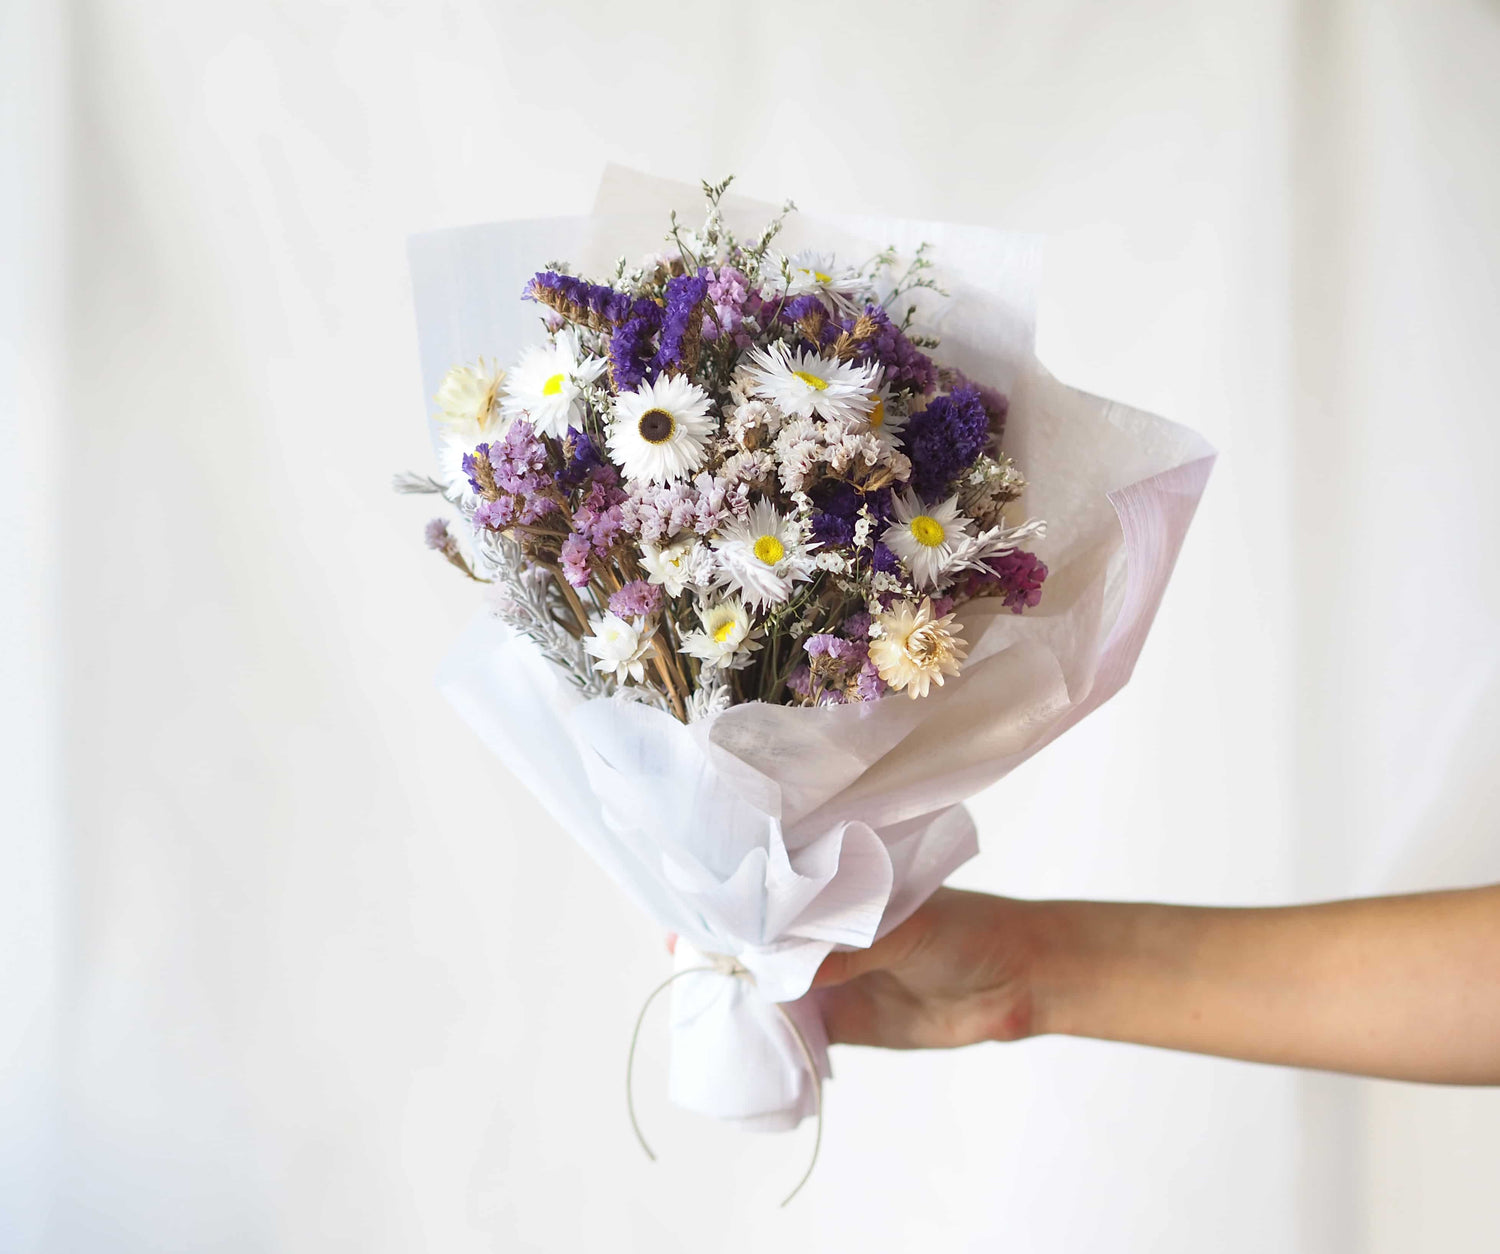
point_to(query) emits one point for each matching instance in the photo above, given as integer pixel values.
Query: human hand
(958, 971)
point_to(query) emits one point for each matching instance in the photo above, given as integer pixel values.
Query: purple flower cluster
(637, 599)
(1020, 576)
(681, 322)
(731, 298)
(630, 345)
(944, 439)
(581, 300)
(437, 535)
(597, 526)
(839, 666)
(584, 459)
(906, 366)
(512, 477)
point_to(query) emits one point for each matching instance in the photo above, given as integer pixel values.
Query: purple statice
(584, 459)
(630, 346)
(1020, 576)
(637, 599)
(476, 466)
(944, 439)
(800, 682)
(512, 477)
(592, 303)
(885, 561)
(834, 664)
(856, 626)
(681, 322)
(906, 367)
(520, 461)
(830, 530)
(498, 514)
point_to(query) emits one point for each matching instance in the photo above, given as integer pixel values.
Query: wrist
(1082, 959)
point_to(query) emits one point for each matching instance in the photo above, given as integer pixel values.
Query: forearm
(1405, 987)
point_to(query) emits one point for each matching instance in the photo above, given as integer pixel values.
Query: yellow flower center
(812, 380)
(927, 531)
(821, 277)
(770, 550)
(553, 385)
(877, 415)
(724, 630)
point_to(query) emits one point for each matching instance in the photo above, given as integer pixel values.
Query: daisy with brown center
(660, 431)
(914, 649)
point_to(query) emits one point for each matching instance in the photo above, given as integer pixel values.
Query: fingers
(672, 942)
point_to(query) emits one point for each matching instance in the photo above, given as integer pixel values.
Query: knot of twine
(731, 968)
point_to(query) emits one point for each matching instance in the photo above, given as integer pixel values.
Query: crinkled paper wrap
(775, 834)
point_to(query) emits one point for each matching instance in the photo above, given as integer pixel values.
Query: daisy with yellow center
(619, 648)
(820, 273)
(761, 557)
(546, 386)
(887, 419)
(468, 414)
(727, 639)
(929, 539)
(660, 431)
(674, 567)
(913, 648)
(804, 385)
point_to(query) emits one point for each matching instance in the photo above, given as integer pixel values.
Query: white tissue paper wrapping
(774, 834)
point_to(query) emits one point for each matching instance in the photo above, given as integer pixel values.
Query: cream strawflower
(727, 639)
(761, 556)
(802, 384)
(674, 567)
(660, 431)
(927, 538)
(619, 647)
(546, 386)
(913, 650)
(468, 414)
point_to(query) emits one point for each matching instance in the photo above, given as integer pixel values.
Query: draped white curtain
(292, 965)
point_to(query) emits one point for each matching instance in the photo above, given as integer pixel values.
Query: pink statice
(731, 298)
(657, 514)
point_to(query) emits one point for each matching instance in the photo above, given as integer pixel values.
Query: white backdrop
(282, 978)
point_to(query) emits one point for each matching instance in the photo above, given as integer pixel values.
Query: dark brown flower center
(655, 426)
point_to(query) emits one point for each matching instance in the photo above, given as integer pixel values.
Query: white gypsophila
(619, 647)
(762, 556)
(674, 567)
(659, 432)
(927, 538)
(912, 648)
(546, 386)
(727, 638)
(842, 286)
(468, 415)
(804, 384)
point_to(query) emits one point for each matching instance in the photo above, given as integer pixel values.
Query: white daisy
(761, 556)
(803, 384)
(820, 273)
(727, 639)
(674, 567)
(912, 649)
(887, 419)
(660, 431)
(468, 414)
(927, 538)
(546, 386)
(619, 647)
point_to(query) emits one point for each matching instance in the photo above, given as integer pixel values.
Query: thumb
(844, 965)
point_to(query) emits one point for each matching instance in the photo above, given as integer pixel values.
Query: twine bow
(723, 964)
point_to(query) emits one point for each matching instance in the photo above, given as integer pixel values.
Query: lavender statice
(637, 599)
(584, 459)
(630, 347)
(592, 304)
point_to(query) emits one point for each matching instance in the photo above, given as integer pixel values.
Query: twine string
(724, 965)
